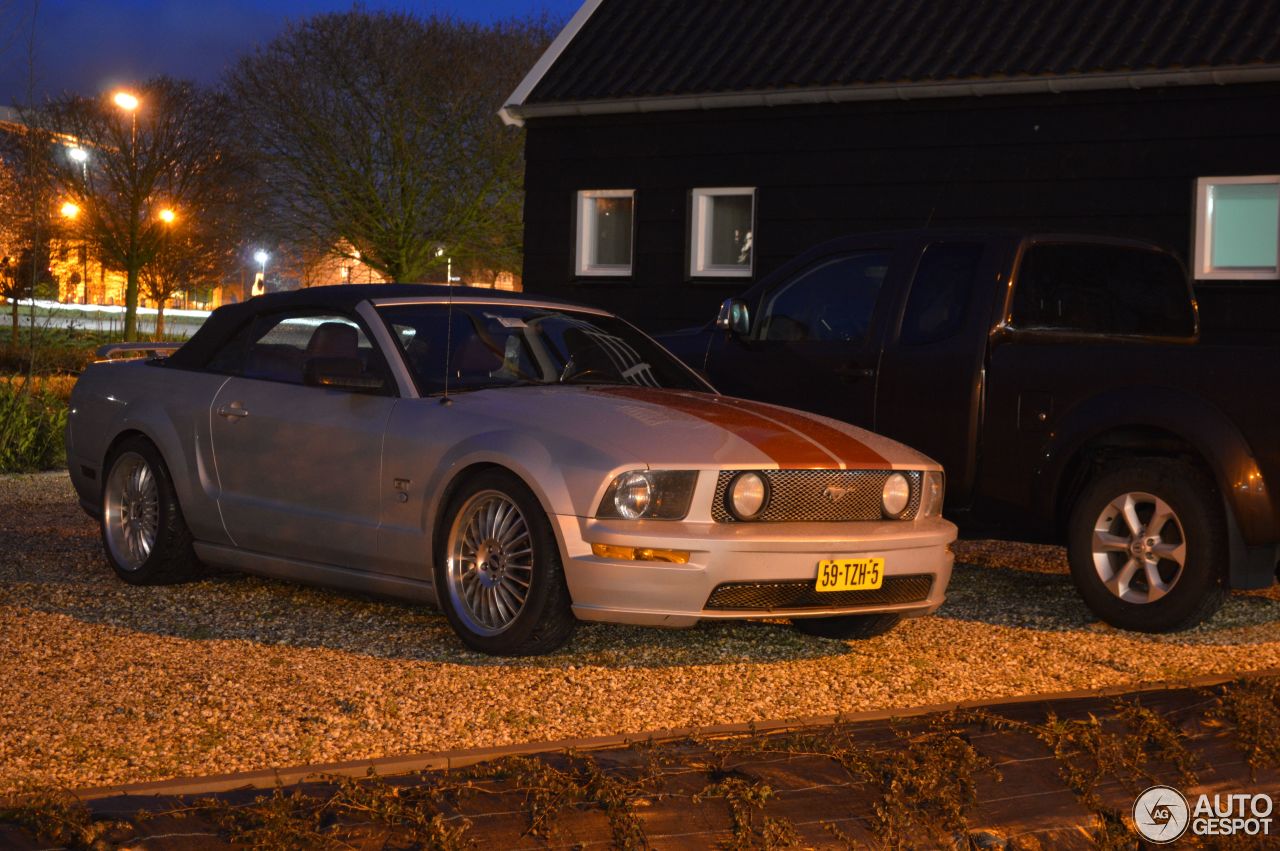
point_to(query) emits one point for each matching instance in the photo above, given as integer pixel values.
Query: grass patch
(33, 418)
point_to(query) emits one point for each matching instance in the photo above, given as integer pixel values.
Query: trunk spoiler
(155, 350)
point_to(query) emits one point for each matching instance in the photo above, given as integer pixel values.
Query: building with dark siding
(677, 151)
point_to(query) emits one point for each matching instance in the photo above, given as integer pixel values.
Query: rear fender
(1194, 422)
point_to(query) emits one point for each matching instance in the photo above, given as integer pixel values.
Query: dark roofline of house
(516, 111)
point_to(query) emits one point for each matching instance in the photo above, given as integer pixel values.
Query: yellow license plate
(855, 574)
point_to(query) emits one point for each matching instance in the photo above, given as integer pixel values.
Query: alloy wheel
(490, 566)
(131, 510)
(1139, 547)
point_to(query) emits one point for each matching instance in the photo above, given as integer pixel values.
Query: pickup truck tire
(498, 573)
(144, 534)
(847, 626)
(1147, 545)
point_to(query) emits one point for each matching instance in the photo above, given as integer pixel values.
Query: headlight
(747, 496)
(649, 495)
(935, 488)
(896, 495)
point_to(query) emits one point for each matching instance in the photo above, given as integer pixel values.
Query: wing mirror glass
(734, 317)
(340, 374)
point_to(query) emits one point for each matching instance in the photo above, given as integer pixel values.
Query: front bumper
(767, 555)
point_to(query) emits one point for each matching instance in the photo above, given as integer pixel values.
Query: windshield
(501, 345)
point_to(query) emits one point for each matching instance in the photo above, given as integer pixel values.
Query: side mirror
(734, 317)
(340, 374)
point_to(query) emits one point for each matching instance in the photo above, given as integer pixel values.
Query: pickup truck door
(814, 341)
(930, 393)
(299, 467)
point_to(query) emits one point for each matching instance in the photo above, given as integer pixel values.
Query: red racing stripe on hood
(855, 454)
(785, 446)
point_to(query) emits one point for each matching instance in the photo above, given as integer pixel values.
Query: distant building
(676, 152)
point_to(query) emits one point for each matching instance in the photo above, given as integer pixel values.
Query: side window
(830, 302)
(940, 293)
(1102, 289)
(276, 347)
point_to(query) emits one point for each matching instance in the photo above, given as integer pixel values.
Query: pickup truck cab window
(1102, 289)
(940, 292)
(832, 301)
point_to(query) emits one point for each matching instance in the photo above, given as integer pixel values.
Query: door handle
(851, 372)
(232, 411)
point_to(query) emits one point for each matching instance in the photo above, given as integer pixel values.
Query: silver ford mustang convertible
(522, 464)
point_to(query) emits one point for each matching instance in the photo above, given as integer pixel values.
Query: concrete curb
(447, 760)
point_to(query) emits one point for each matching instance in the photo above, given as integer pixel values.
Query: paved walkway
(1052, 772)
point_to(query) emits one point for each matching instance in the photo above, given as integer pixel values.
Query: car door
(299, 466)
(813, 341)
(931, 371)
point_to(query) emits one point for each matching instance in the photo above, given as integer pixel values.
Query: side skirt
(311, 573)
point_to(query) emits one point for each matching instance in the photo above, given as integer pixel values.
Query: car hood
(685, 429)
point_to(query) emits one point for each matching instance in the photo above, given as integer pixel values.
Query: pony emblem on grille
(834, 493)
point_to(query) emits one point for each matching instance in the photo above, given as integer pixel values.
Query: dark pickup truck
(1061, 382)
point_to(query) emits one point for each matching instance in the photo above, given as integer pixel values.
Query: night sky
(90, 46)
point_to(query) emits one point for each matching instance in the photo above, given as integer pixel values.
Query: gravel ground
(107, 683)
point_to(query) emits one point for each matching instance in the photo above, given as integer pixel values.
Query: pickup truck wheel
(847, 626)
(1147, 546)
(143, 531)
(499, 577)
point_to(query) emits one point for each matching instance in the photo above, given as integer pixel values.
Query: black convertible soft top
(225, 321)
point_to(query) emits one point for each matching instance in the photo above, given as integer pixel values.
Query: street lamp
(167, 215)
(71, 211)
(448, 274)
(262, 257)
(126, 101)
(81, 156)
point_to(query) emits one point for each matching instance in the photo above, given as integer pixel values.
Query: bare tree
(380, 136)
(25, 220)
(168, 153)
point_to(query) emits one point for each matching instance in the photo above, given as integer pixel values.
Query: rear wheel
(847, 626)
(143, 531)
(498, 576)
(1147, 546)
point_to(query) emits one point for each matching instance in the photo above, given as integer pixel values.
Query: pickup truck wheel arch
(1247, 567)
(1146, 543)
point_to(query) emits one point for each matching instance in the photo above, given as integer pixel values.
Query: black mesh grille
(807, 495)
(769, 596)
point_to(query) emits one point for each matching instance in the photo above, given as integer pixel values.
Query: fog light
(748, 495)
(640, 553)
(896, 495)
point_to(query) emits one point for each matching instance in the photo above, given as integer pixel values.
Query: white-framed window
(1237, 227)
(606, 220)
(723, 222)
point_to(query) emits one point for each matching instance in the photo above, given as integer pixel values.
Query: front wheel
(847, 626)
(498, 574)
(1147, 546)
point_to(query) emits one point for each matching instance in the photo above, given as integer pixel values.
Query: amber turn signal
(640, 554)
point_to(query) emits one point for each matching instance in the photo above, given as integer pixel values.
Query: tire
(1143, 579)
(144, 534)
(498, 573)
(847, 626)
